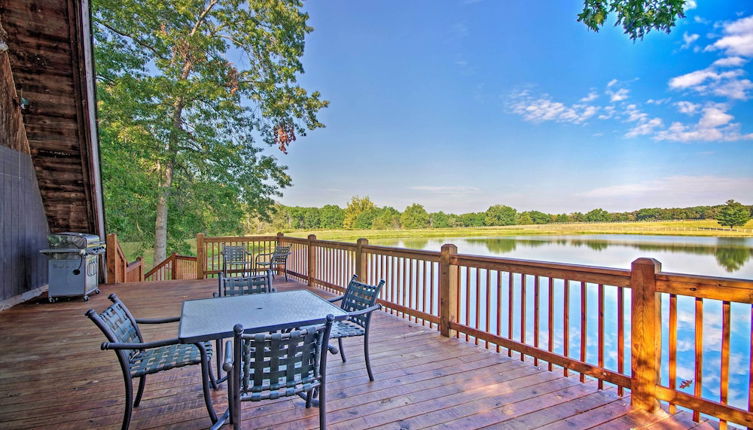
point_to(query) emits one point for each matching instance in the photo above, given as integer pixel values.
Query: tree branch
(129, 36)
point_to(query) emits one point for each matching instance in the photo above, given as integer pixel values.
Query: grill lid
(74, 240)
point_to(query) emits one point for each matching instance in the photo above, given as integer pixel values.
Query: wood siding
(48, 51)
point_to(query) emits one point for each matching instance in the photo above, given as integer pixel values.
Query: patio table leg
(206, 382)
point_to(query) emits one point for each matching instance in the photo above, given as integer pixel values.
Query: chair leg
(309, 395)
(285, 267)
(322, 407)
(212, 380)
(206, 382)
(366, 354)
(342, 351)
(128, 403)
(140, 392)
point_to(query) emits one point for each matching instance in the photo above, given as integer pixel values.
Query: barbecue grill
(73, 264)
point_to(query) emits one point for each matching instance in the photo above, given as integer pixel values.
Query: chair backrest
(359, 296)
(234, 254)
(239, 286)
(117, 323)
(280, 364)
(280, 254)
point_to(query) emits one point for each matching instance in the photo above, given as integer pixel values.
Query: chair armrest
(144, 345)
(227, 366)
(368, 310)
(332, 349)
(157, 320)
(336, 299)
(261, 255)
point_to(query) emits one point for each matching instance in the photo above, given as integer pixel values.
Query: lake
(711, 256)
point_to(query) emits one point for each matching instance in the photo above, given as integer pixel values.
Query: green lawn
(674, 228)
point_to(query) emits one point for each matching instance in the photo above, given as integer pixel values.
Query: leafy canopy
(733, 214)
(637, 17)
(185, 90)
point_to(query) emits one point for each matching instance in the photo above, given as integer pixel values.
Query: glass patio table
(211, 319)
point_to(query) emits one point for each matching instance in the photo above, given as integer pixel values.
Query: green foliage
(500, 215)
(356, 206)
(637, 17)
(733, 214)
(179, 120)
(414, 216)
(388, 218)
(331, 216)
(365, 219)
(439, 220)
(597, 215)
(472, 219)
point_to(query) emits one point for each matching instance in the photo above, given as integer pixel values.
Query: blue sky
(474, 103)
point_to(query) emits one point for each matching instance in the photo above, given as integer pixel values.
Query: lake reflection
(712, 256)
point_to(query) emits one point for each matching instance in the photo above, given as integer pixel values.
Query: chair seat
(345, 329)
(166, 357)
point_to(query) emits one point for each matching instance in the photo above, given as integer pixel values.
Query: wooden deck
(53, 374)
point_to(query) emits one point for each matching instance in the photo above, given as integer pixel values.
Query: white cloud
(687, 107)
(715, 124)
(690, 4)
(612, 83)
(678, 185)
(688, 39)
(738, 39)
(708, 81)
(729, 62)
(450, 189)
(593, 95)
(543, 108)
(619, 95)
(645, 127)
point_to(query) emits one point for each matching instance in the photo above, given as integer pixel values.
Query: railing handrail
(426, 286)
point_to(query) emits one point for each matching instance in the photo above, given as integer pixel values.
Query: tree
(472, 219)
(414, 216)
(733, 214)
(500, 215)
(637, 17)
(354, 208)
(331, 216)
(439, 220)
(597, 215)
(387, 218)
(365, 219)
(184, 87)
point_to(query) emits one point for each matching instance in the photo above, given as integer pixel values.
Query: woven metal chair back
(118, 325)
(280, 364)
(359, 296)
(240, 286)
(234, 255)
(280, 254)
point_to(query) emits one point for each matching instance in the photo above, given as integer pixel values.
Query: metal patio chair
(138, 358)
(359, 301)
(268, 366)
(236, 259)
(274, 259)
(255, 283)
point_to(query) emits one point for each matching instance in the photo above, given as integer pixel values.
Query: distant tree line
(362, 213)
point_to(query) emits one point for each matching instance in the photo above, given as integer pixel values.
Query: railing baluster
(499, 305)
(672, 353)
(620, 334)
(488, 302)
(550, 321)
(698, 388)
(724, 371)
(536, 301)
(510, 301)
(583, 326)
(478, 301)
(522, 312)
(566, 322)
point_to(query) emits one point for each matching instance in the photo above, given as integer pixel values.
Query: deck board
(54, 375)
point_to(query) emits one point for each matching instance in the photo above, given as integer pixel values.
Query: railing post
(280, 238)
(200, 256)
(448, 288)
(645, 323)
(361, 260)
(111, 255)
(174, 269)
(141, 269)
(311, 261)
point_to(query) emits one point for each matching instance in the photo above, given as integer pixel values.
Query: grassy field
(672, 228)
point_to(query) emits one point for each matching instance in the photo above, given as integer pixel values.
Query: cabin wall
(23, 224)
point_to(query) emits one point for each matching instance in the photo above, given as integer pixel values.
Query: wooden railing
(118, 268)
(665, 338)
(173, 267)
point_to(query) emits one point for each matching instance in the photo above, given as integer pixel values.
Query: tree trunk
(160, 225)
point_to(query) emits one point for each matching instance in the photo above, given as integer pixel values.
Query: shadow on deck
(53, 374)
